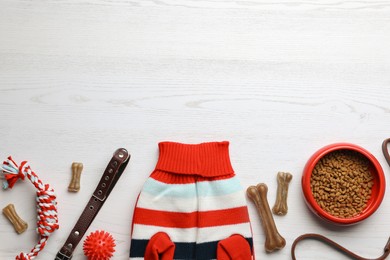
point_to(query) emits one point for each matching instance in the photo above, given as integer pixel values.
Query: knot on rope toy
(47, 221)
(12, 172)
(22, 256)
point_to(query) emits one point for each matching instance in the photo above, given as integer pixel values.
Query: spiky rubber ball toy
(99, 245)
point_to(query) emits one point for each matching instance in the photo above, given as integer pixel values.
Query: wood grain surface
(278, 79)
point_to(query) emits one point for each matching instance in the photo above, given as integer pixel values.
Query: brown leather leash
(385, 150)
(337, 246)
(110, 177)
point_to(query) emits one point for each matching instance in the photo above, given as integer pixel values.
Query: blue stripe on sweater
(203, 251)
(190, 190)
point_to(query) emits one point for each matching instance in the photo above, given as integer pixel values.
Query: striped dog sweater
(192, 207)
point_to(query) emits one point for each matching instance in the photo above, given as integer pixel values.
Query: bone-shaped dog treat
(280, 207)
(19, 224)
(74, 185)
(273, 240)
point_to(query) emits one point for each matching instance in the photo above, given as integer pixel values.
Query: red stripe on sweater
(198, 219)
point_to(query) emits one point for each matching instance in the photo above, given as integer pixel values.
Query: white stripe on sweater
(180, 204)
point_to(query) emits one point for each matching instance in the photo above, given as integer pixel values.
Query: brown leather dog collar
(110, 177)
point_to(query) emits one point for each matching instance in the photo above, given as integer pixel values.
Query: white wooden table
(278, 79)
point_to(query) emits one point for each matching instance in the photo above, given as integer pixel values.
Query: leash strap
(337, 246)
(385, 150)
(110, 177)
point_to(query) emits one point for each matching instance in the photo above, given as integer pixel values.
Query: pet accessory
(337, 246)
(317, 191)
(110, 177)
(46, 202)
(192, 207)
(273, 240)
(99, 245)
(74, 185)
(19, 224)
(385, 151)
(280, 208)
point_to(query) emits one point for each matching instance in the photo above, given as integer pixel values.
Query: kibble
(341, 183)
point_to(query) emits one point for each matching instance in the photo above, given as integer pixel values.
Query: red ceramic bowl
(377, 191)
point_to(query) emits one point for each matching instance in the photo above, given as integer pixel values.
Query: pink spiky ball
(99, 245)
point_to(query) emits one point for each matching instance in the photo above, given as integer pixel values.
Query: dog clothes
(192, 207)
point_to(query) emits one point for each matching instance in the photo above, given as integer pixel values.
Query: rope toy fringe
(46, 202)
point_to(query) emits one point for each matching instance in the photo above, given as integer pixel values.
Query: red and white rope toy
(46, 202)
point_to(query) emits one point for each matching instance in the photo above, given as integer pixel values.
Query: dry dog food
(341, 183)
